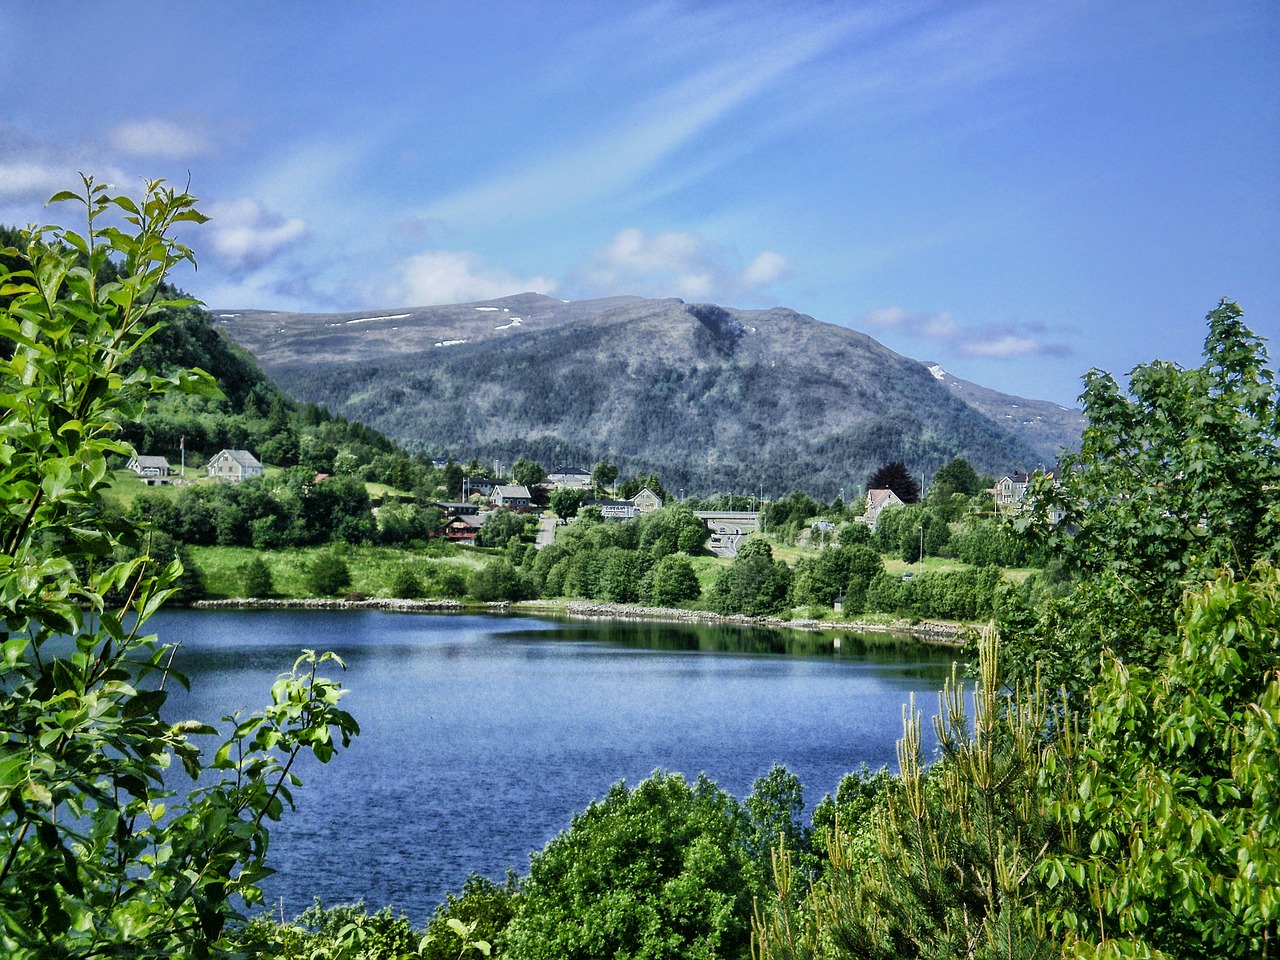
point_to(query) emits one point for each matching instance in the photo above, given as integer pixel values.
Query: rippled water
(482, 735)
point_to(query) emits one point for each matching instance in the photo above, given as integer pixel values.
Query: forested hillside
(710, 398)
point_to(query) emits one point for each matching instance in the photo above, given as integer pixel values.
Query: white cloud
(1003, 347)
(1012, 339)
(245, 235)
(677, 264)
(457, 276)
(767, 268)
(161, 138)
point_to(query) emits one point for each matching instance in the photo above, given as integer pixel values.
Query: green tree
(99, 858)
(565, 502)
(673, 581)
(659, 871)
(255, 578)
(485, 909)
(496, 581)
(956, 477)
(1173, 481)
(944, 865)
(754, 584)
(406, 585)
(603, 475)
(1176, 820)
(502, 527)
(527, 473)
(864, 565)
(453, 478)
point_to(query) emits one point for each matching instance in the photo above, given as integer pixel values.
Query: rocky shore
(373, 603)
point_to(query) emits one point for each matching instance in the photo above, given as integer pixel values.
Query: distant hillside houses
(232, 466)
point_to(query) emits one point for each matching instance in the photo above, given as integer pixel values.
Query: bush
(451, 583)
(484, 907)
(660, 871)
(328, 574)
(498, 581)
(406, 585)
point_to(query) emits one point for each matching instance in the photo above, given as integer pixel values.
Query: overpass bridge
(746, 521)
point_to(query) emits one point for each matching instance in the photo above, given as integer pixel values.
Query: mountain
(1047, 427)
(712, 399)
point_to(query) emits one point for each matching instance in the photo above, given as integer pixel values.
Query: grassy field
(373, 569)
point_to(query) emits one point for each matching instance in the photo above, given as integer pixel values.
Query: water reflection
(731, 638)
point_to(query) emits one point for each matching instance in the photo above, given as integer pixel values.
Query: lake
(482, 735)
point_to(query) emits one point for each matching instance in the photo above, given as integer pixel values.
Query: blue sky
(1018, 191)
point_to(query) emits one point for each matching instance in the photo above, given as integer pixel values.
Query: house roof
(568, 472)
(152, 462)
(878, 497)
(242, 457)
(511, 492)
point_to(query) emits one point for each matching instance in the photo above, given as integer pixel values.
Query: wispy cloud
(1000, 342)
(457, 276)
(164, 139)
(245, 235)
(612, 160)
(676, 263)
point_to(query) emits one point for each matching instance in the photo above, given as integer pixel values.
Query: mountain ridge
(709, 396)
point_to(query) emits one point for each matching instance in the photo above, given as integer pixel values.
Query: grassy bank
(373, 569)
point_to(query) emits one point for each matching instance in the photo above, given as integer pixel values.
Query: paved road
(546, 533)
(724, 541)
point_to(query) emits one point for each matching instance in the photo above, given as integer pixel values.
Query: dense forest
(1105, 785)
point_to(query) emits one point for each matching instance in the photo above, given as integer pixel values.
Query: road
(546, 533)
(724, 541)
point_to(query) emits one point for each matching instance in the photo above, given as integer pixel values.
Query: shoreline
(926, 631)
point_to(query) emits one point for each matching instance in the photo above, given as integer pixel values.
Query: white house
(571, 478)
(877, 502)
(232, 466)
(646, 501)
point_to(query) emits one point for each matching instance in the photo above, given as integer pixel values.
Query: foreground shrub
(663, 870)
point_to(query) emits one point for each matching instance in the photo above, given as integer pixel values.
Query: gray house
(153, 470)
(511, 496)
(232, 466)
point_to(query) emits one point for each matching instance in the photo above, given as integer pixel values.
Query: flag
(182, 443)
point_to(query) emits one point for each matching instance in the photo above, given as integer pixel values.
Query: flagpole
(182, 445)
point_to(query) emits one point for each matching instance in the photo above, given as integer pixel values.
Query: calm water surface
(482, 735)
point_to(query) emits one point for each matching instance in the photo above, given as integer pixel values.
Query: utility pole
(922, 546)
